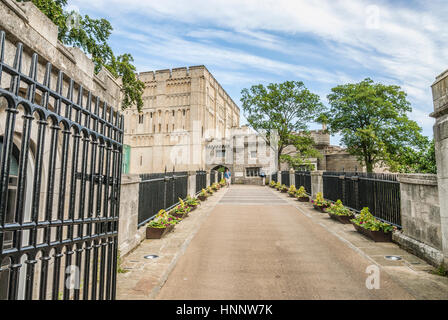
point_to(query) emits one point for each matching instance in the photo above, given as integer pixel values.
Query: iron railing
(201, 180)
(160, 191)
(303, 178)
(61, 162)
(212, 177)
(274, 177)
(285, 178)
(379, 192)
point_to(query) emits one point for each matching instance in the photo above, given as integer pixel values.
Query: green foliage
(420, 160)
(320, 201)
(339, 209)
(366, 220)
(191, 202)
(92, 36)
(372, 119)
(301, 192)
(286, 108)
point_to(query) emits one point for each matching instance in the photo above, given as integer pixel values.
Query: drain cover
(393, 258)
(151, 256)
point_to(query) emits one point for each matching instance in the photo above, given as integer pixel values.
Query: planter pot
(193, 207)
(284, 191)
(202, 198)
(180, 215)
(320, 209)
(291, 195)
(158, 233)
(341, 219)
(377, 236)
(303, 199)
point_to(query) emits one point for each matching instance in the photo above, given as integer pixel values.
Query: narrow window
(183, 112)
(140, 118)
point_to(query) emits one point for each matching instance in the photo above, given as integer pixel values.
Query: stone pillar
(440, 97)
(292, 177)
(279, 177)
(207, 183)
(191, 183)
(129, 236)
(317, 183)
(420, 217)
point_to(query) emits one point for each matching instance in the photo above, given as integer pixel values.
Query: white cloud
(325, 41)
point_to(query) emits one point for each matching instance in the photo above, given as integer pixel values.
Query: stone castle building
(189, 122)
(183, 109)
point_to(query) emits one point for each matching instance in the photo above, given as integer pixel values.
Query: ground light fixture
(151, 256)
(393, 258)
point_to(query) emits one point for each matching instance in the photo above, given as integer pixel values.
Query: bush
(301, 193)
(339, 209)
(367, 221)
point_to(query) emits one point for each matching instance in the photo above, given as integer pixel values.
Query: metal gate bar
(76, 236)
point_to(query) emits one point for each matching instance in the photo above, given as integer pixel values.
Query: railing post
(207, 179)
(165, 181)
(191, 183)
(342, 182)
(317, 183)
(292, 177)
(279, 177)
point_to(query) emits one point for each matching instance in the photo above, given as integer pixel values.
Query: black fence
(285, 178)
(274, 177)
(160, 191)
(379, 192)
(303, 178)
(212, 177)
(60, 160)
(201, 180)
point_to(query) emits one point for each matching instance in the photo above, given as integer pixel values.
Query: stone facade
(440, 97)
(183, 109)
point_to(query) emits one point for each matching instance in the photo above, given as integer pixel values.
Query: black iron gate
(60, 162)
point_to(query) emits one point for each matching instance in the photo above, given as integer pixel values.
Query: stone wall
(420, 217)
(129, 236)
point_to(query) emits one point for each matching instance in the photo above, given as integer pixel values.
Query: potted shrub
(272, 184)
(180, 211)
(278, 186)
(210, 190)
(366, 224)
(222, 182)
(192, 202)
(320, 204)
(301, 195)
(215, 187)
(203, 195)
(283, 188)
(292, 191)
(337, 211)
(160, 225)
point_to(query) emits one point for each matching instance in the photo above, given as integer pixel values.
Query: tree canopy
(372, 119)
(91, 36)
(286, 108)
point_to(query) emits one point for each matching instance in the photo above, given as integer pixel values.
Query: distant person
(227, 176)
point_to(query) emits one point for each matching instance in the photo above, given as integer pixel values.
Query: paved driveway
(256, 245)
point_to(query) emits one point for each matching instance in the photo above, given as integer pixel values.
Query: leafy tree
(373, 121)
(91, 36)
(420, 160)
(286, 108)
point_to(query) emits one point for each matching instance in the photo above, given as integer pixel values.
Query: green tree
(372, 119)
(286, 108)
(91, 36)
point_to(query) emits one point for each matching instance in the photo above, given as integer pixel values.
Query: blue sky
(322, 43)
